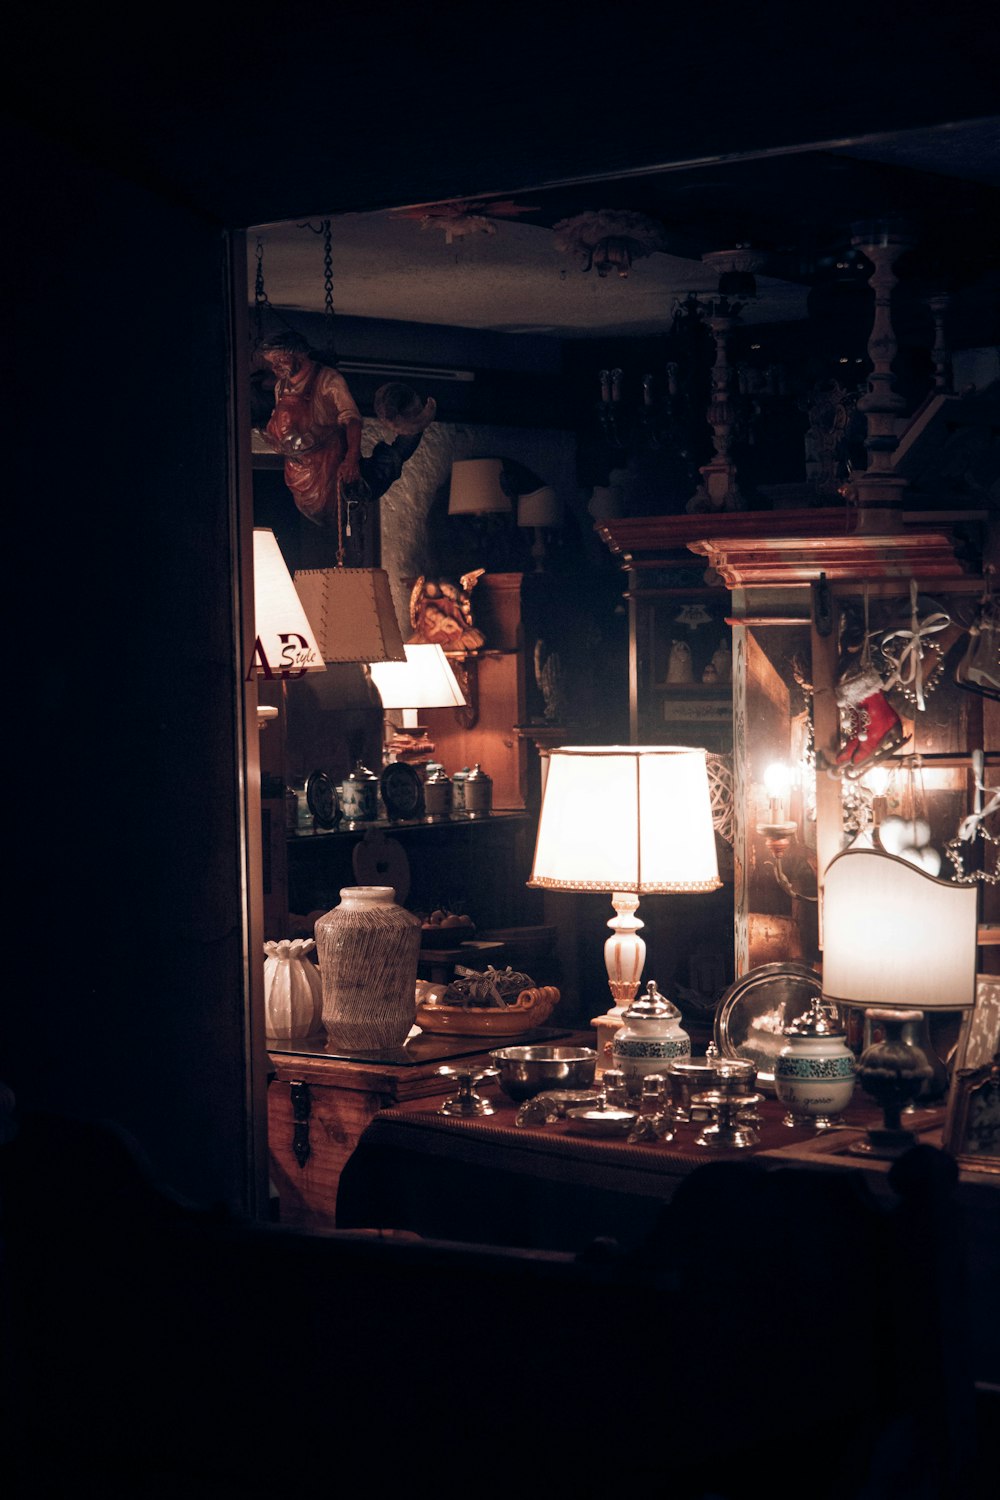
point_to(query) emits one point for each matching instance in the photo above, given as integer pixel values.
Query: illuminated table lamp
(423, 680)
(285, 642)
(898, 943)
(632, 820)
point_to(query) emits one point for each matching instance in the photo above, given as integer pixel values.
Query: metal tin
(478, 792)
(437, 794)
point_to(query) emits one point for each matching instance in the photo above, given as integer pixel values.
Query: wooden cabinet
(799, 589)
(320, 1103)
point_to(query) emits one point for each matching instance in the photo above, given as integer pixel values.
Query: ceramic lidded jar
(814, 1071)
(359, 795)
(650, 1037)
(368, 952)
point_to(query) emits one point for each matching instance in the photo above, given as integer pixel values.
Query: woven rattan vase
(368, 950)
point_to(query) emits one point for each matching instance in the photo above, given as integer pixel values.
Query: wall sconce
(423, 680)
(630, 820)
(778, 828)
(897, 943)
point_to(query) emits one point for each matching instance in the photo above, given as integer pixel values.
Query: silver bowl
(524, 1072)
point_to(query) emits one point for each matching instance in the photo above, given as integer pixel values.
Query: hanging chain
(340, 526)
(261, 305)
(325, 230)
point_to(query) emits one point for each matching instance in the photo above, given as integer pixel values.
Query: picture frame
(972, 1123)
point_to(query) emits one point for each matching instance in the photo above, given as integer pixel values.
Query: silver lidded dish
(598, 1121)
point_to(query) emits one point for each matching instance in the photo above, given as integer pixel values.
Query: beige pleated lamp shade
(286, 643)
(539, 508)
(423, 680)
(895, 936)
(353, 612)
(475, 487)
(626, 818)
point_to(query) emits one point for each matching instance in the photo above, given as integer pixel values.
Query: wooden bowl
(531, 1008)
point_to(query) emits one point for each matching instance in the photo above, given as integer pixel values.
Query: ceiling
(795, 208)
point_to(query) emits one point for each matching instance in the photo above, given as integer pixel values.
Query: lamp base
(883, 1144)
(606, 1026)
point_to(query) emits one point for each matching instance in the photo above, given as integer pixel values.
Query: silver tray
(754, 1011)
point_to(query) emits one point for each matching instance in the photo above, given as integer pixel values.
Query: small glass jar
(814, 1071)
(650, 1037)
(458, 790)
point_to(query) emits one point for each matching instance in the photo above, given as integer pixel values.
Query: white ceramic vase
(368, 951)
(293, 991)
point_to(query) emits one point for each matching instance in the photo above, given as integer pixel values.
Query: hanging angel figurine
(441, 613)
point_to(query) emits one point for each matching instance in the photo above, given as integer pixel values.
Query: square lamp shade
(476, 489)
(353, 612)
(286, 643)
(895, 936)
(631, 820)
(423, 680)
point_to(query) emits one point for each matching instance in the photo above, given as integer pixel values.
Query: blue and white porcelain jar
(650, 1037)
(814, 1071)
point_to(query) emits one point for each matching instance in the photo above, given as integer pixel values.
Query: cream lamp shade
(539, 508)
(353, 612)
(626, 818)
(423, 680)
(286, 643)
(895, 936)
(476, 489)
(631, 820)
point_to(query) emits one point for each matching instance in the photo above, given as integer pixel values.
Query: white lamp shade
(286, 643)
(626, 818)
(895, 936)
(353, 612)
(423, 680)
(475, 487)
(539, 508)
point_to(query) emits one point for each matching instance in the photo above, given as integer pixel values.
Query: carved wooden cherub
(441, 613)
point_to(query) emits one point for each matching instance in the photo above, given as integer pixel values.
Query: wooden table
(491, 1181)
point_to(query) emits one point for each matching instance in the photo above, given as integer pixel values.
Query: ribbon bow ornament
(970, 826)
(907, 660)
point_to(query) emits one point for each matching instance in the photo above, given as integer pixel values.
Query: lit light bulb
(778, 780)
(877, 780)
